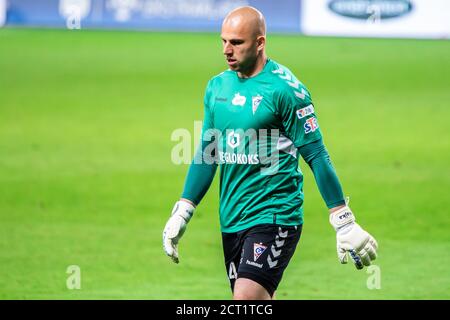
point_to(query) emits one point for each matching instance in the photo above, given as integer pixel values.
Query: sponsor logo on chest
(238, 100)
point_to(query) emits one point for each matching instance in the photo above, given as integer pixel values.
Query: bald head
(244, 38)
(247, 20)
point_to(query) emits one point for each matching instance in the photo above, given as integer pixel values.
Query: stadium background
(86, 118)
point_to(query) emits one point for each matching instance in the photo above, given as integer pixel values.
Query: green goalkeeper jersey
(259, 123)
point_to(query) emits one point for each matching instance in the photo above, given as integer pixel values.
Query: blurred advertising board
(376, 18)
(2, 12)
(179, 15)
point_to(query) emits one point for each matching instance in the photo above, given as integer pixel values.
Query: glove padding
(352, 239)
(175, 228)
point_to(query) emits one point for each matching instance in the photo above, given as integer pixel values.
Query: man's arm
(318, 159)
(199, 177)
(351, 238)
(299, 121)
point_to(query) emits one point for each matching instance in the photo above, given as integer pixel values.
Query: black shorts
(260, 253)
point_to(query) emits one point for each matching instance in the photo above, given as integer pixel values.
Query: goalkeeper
(261, 204)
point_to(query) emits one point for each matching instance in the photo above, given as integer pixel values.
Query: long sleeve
(199, 178)
(318, 159)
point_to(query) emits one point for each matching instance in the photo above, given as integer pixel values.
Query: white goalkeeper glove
(175, 227)
(352, 239)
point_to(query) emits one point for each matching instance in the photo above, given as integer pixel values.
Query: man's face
(240, 46)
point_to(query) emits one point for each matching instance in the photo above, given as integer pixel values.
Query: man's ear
(261, 42)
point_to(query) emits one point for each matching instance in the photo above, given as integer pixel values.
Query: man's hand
(352, 239)
(175, 227)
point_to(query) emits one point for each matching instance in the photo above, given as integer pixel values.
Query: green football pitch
(86, 176)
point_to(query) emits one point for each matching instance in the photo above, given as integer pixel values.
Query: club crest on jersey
(258, 250)
(306, 111)
(311, 125)
(255, 102)
(238, 100)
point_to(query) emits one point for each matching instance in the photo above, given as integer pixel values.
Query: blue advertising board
(177, 15)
